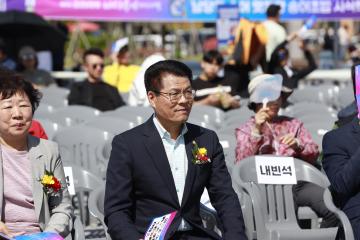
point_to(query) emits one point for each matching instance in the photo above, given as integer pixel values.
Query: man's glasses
(96, 65)
(175, 96)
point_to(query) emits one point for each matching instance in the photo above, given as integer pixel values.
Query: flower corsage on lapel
(51, 185)
(199, 155)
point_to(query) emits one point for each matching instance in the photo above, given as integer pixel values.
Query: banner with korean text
(301, 9)
(180, 10)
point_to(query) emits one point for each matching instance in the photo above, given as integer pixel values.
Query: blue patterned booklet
(35, 236)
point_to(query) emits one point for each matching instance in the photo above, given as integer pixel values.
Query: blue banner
(181, 10)
(301, 9)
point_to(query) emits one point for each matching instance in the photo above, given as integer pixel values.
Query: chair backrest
(345, 96)
(136, 115)
(50, 127)
(317, 94)
(110, 124)
(84, 180)
(209, 114)
(80, 145)
(228, 143)
(44, 110)
(202, 123)
(274, 203)
(238, 115)
(55, 96)
(73, 115)
(304, 108)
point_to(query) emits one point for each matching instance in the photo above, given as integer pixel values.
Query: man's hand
(213, 100)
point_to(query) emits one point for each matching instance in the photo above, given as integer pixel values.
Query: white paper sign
(69, 180)
(275, 170)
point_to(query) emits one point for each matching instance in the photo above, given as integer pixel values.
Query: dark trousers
(194, 234)
(311, 195)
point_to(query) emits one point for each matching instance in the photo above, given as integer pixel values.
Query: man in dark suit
(342, 165)
(152, 170)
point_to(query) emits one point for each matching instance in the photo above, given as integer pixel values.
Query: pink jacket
(268, 143)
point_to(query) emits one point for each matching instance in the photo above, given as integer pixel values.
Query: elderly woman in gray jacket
(33, 192)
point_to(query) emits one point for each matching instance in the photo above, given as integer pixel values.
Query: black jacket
(82, 93)
(342, 166)
(140, 185)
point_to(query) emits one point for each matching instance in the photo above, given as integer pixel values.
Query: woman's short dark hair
(252, 106)
(154, 74)
(12, 83)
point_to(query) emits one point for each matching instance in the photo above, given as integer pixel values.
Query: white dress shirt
(178, 161)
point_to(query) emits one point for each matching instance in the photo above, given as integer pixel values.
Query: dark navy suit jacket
(140, 185)
(341, 148)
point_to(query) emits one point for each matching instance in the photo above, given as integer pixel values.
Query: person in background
(30, 203)
(276, 33)
(5, 61)
(280, 64)
(344, 39)
(93, 91)
(211, 89)
(27, 66)
(354, 54)
(341, 162)
(137, 93)
(269, 133)
(37, 130)
(121, 73)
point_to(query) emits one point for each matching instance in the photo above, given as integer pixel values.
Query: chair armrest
(210, 216)
(101, 160)
(348, 232)
(78, 233)
(94, 209)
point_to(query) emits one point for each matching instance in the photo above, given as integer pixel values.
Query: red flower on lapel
(51, 184)
(199, 155)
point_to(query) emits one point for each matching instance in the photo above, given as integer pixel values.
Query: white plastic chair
(55, 96)
(73, 115)
(84, 183)
(137, 115)
(44, 110)
(50, 127)
(110, 124)
(80, 145)
(228, 143)
(208, 114)
(273, 206)
(96, 206)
